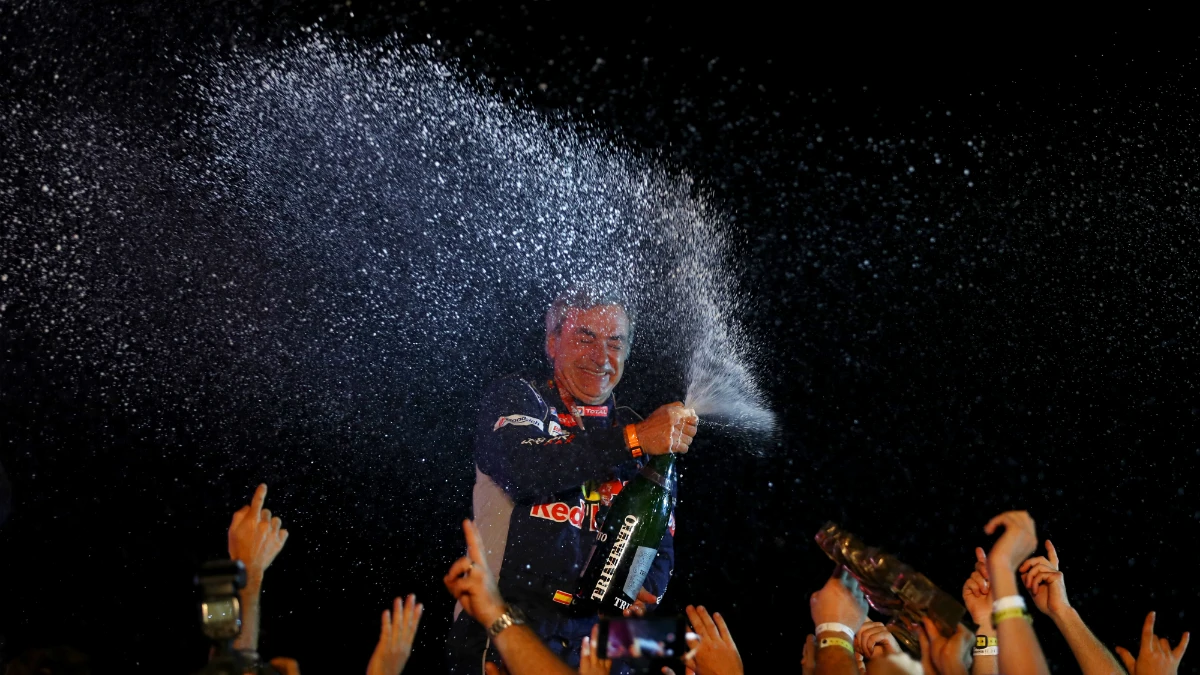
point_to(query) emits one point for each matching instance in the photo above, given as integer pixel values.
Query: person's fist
(1018, 540)
(255, 537)
(1155, 657)
(948, 655)
(1045, 582)
(977, 591)
(873, 640)
(840, 600)
(396, 634)
(670, 428)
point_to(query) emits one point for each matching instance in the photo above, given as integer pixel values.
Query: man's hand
(714, 652)
(977, 592)
(840, 600)
(589, 661)
(949, 656)
(1045, 583)
(255, 537)
(470, 581)
(873, 640)
(670, 428)
(1016, 543)
(1155, 657)
(645, 602)
(396, 637)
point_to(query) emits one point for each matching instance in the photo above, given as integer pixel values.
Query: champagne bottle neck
(660, 470)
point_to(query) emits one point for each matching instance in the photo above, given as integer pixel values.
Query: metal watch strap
(510, 617)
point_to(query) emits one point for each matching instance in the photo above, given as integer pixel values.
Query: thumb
(491, 669)
(1127, 659)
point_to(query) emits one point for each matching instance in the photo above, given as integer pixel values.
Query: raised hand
(1018, 540)
(977, 591)
(471, 582)
(1045, 582)
(590, 662)
(874, 640)
(840, 600)
(670, 428)
(399, 627)
(949, 656)
(714, 652)
(1155, 657)
(255, 537)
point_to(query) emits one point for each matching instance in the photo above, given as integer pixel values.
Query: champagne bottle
(627, 543)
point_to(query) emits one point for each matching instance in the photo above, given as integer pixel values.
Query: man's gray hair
(581, 296)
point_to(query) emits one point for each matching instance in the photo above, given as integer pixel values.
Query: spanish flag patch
(562, 597)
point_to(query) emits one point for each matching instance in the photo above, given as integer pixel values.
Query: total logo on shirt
(590, 410)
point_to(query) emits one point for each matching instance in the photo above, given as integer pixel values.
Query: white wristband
(835, 627)
(1009, 602)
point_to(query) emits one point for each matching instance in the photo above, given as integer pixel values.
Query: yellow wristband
(1010, 613)
(837, 642)
(983, 641)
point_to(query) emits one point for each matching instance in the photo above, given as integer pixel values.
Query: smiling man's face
(589, 352)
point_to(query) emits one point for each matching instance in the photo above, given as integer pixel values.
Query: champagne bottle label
(638, 569)
(614, 557)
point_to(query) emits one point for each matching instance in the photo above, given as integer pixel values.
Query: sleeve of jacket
(528, 454)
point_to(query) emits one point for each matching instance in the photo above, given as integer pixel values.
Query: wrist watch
(511, 617)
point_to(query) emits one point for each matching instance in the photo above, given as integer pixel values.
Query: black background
(915, 401)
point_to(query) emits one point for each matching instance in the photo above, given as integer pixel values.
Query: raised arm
(471, 582)
(1020, 652)
(977, 597)
(839, 604)
(255, 538)
(1156, 656)
(1044, 581)
(397, 631)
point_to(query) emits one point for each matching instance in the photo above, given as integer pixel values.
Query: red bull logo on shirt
(560, 512)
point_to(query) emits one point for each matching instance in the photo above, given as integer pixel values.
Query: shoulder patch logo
(517, 421)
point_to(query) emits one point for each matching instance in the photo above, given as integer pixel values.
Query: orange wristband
(631, 440)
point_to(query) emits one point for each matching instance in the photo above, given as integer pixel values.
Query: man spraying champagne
(550, 454)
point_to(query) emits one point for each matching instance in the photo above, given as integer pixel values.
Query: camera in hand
(893, 588)
(221, 619)
(646, 644)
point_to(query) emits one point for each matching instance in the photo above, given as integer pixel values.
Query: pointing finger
(980, 556)
(260, 496)
(474, 544)
(1148, 630)
(1053, 553)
